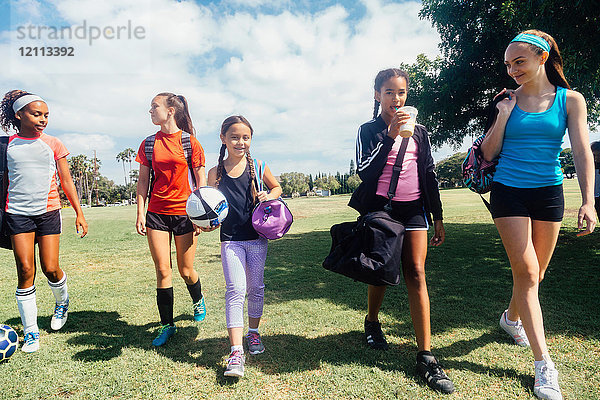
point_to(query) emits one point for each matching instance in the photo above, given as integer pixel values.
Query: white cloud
(86, 144)
(257, 3)
(25, 8)
(303, 80)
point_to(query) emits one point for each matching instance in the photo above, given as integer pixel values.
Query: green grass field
(312, 324)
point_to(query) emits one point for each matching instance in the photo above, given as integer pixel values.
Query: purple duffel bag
(271, 219)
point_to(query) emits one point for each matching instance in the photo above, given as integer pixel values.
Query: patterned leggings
(243, 268)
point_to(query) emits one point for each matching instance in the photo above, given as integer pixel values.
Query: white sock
(238, 348)
(26, 302)
(508, 321)
(59, 289)
(252, 330)
(545, 359)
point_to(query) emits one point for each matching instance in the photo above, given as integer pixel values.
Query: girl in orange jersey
(168, 161)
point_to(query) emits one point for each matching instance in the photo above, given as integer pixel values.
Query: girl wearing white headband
(527, 201)
(33, 206)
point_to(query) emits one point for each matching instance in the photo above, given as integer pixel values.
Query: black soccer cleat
(432, 373)
(374, 335)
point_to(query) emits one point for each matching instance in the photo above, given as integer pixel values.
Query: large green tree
(327, 182)
(293, 182)
(449, 171)
(452, 93)
(353, 182)
(566, 163)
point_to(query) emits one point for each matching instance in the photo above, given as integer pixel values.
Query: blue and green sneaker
(164, 333)
(200, 310)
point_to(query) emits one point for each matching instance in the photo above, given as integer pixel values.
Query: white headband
(24, 100)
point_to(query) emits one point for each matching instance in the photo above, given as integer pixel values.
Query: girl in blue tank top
(527, 201)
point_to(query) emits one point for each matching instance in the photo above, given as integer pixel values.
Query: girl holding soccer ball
(33, 206)
(243, 252)
(165, 159)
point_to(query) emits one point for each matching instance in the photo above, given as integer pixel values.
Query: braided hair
(382, 77)
(220, 166)
(182, 112)
(228, 123)
(8, 120)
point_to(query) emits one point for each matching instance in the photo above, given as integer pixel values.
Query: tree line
(449, 171)
(96, 189)
(299, 184)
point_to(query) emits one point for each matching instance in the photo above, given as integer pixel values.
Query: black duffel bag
(368, 250)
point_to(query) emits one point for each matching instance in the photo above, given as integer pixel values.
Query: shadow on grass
(105, 335)
(469, 280)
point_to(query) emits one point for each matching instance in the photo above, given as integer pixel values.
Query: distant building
(322, 192)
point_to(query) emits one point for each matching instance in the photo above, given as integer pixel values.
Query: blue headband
(532, 39)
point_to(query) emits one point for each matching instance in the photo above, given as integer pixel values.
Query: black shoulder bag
(369, 250)
(5, 242)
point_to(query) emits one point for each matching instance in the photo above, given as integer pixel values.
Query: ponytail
(8, 120)
(182, 113)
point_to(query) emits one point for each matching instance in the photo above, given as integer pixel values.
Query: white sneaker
(515, 331)
(59, 319)
(546, 380)
(31, 342)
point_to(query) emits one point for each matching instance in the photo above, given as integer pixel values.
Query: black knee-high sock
(195, 290)
(164, 300)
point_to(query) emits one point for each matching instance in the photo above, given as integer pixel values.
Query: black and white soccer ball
(207, 207)
(9, 340)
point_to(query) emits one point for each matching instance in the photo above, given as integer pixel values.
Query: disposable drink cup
(408, 128)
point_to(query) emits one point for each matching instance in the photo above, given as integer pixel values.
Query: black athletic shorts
(542, 204)
(410, 213)
(49, 223)
(177, 224)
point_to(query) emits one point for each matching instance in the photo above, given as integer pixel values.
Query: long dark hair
(230, 121)
(8, 120)
(554, 64)
(382, 77)
(182, 112)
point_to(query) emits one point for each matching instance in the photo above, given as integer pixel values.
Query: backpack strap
(186, 143)
(3, 170)
(187, 152)
(149, 148)
(396, 169)
(148, 152)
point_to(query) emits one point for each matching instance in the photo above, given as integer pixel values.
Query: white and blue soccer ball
(207, 207)
(9, 340)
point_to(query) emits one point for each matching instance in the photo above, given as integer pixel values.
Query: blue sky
(300, 71)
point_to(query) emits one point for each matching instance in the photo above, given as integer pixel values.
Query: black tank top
(238, 224)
